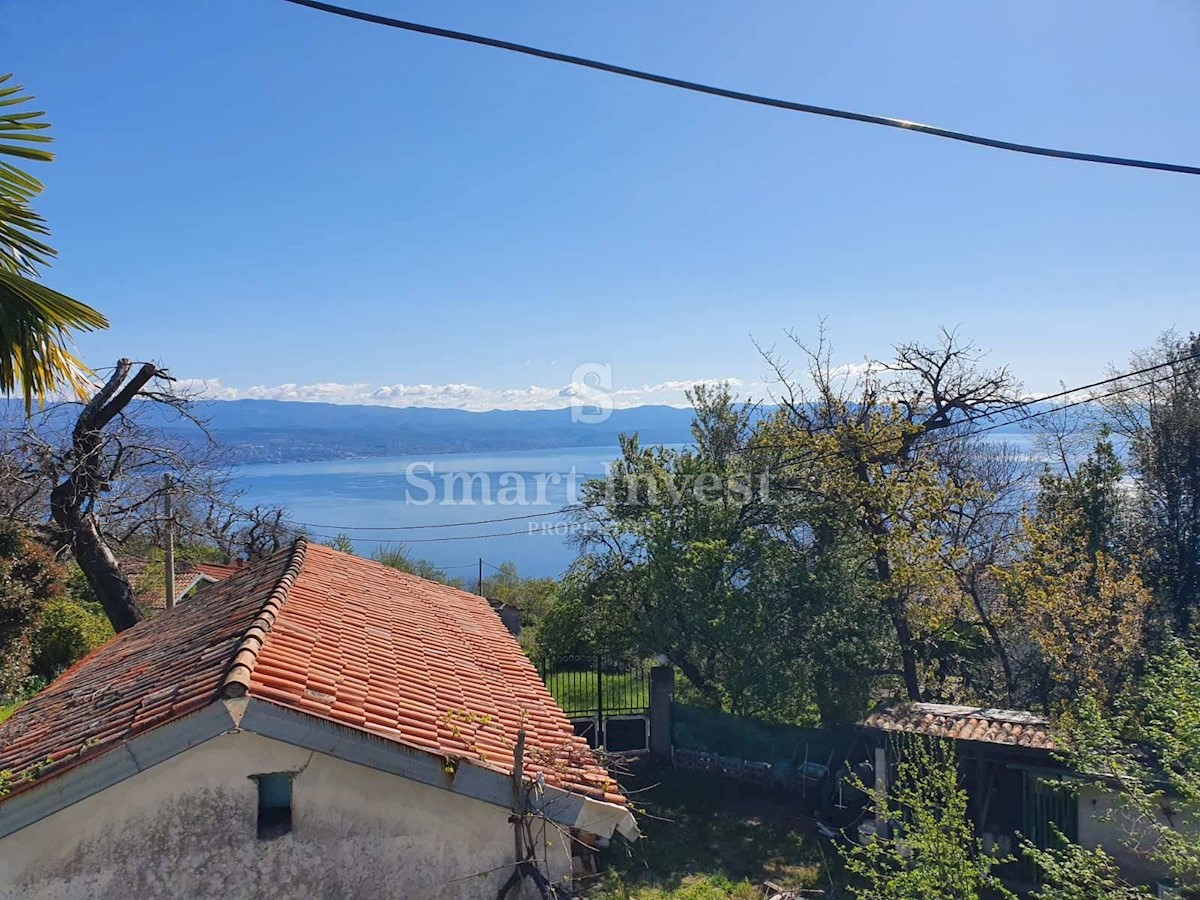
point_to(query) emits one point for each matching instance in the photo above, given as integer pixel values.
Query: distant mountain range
(289, 431)
(282, 431)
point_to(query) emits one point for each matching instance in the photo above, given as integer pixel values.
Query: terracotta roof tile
(154, 672)
(965, 723)
(187, 576)
(331, 635)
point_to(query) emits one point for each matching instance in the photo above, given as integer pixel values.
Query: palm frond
(22, 127)
(35, 348)
(35, 321)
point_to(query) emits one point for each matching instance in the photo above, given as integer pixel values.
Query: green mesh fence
(710, 738)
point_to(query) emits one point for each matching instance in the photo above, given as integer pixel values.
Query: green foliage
(692, 887)
(1147, 748)
(534, 597)
(396, 556)
(577, 690)
(933, 852)
(342, 543)
(1070, 872)
(567, 628)
(29, 686)
(706, 837)
(1090, 498)
(1163, 423)
(151, 582)
(69, 629)
(29, 579)
(679, 561)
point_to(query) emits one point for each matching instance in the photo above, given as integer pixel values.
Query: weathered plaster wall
(186, 828)
(1104, 823)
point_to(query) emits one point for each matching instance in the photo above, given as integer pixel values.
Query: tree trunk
(895, 609)
(908, 655)
(98, 563)
(71, 501)
(692, 673)
(994, 636)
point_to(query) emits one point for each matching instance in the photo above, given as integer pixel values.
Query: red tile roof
(965, 723)
(187, 576)
(331, 635)
(155, 672)
(218, 571)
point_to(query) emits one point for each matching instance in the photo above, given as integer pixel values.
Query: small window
(274, 804)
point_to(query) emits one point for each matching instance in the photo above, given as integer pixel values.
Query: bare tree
(873, 431)
(89, 479)
(73, 500)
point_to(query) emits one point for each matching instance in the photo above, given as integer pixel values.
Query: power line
(552, 512)
(436, 540)
(1116, 379)
(827, 454)
(1012, 407)
(967, 419)
(741, 96)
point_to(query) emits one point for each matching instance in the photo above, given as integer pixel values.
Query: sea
(452, 509)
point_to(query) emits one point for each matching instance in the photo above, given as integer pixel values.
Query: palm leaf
(35, 321)
(35, 348)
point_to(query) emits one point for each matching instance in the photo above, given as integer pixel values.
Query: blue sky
(261, 194)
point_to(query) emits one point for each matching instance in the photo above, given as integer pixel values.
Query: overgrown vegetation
(860, 540)
(29, 581)
(705, 837)
(927, 846)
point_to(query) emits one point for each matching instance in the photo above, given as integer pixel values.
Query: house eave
(58, 790)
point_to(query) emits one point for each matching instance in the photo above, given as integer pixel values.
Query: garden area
(710, 838)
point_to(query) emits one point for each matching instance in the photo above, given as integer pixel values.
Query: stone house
(313, 725)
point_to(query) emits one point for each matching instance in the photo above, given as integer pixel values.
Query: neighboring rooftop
(217, 571)
(964, 723)
(327, 634)
(188, 577)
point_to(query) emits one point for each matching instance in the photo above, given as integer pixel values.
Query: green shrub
(69, 629)
(29, 578)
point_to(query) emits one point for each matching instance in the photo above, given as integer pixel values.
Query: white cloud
(469, 397)
(854, 370)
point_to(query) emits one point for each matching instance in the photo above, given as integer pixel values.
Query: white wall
(1105, 823)
(186, 828)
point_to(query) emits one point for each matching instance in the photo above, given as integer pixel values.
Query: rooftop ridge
(237, 679)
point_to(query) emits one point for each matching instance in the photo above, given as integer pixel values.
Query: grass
(709, 838)
(576, 691)
(6, 711)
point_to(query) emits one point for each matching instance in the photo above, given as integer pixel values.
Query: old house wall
(1103, 822)
(188, 828)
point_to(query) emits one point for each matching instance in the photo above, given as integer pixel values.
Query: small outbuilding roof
(964, 723)
(187, 577)
(323, 634)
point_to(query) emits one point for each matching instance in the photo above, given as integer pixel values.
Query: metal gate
(606, 698)
(1049, 804)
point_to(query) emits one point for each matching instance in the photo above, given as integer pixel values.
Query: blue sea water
(442, 495)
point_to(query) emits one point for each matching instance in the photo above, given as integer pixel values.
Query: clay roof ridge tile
(237, 679)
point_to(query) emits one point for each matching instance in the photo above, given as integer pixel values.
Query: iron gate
(606, 698)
